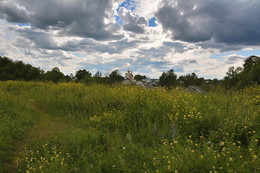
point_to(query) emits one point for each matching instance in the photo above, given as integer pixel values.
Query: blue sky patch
(22, 24)
(118, 19)
(128, 4)
(78, 55)
(178, 69)
(152, 22)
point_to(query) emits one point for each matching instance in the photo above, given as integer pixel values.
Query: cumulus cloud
(13, 12)
(74, 18)
(234, 58)
(40, 39)
(132, 22)
(222, 21)
(178, 47)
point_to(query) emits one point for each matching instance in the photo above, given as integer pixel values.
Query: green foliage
(83, 75)
(46, 159)
(190, 80)
(16, 117)
(131, 129)
(240, 78)
(17, 70)
(115, 77)
(168, 79)
(98, 74)
(139, 77)
(100, 80)
(251, 62)
(54, 75)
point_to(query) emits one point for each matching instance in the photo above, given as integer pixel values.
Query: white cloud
(85, 34)
(147, 8)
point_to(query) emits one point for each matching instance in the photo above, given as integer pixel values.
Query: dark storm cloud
(39, 38)
(13, 13)
(84, 18)
(45, 40)
(224, 21)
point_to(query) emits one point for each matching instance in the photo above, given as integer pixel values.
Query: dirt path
(45, 126)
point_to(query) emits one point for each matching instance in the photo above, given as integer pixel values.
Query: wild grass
(131, 129)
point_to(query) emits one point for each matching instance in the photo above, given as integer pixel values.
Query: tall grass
(131, 129)
(16, 116)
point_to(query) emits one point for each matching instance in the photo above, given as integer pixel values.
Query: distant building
(146, 83)
(129, 78)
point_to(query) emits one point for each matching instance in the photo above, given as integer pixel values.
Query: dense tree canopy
(82, 74)
(115, 77)
(139, 77)
(190, 80)
(54, 75)
(10, 70)
(168, 79)
(251, 62)
(238, 78)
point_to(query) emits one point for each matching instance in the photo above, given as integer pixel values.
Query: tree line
(17, 70)
(236, 78)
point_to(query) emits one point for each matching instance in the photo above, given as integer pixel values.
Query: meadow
(70, 127)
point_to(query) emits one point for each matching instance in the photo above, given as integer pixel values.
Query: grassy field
(69, 127)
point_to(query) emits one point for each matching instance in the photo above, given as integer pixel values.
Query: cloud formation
(202, 36)
(74, 18)
(224, 21)
(132, 22)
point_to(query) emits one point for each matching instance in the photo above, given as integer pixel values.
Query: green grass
(127, 129)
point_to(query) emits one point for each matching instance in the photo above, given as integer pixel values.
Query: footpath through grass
(44, 127)
(74, 128)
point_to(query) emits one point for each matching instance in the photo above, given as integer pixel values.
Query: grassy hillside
(73, 128)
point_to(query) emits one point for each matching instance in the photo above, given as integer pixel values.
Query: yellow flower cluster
(42, 160)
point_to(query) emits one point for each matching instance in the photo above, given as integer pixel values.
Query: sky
(146, 36)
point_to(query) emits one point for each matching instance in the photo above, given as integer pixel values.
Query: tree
(82, 74)
(10, 70)
(54, 75)
(68, 78)
(34, 74)
(251, 72)
(251, 62)
(233, 72)
(98, 74)
(168, 79)
(139, 77)
(232, 78)
(115, 77)
(189, 80)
